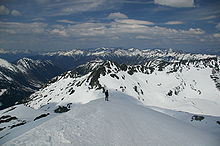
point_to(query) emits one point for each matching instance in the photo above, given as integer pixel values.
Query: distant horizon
(211, 51)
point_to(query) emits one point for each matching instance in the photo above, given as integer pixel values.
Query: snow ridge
(121, 121)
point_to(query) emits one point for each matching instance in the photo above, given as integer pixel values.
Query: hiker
(106, 95)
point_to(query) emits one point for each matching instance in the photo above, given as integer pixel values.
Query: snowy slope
(122, 121)
(207, 123)
(192, 90)
(18, 119)
(188, 88)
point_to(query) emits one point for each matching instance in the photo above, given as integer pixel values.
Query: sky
(67, 24)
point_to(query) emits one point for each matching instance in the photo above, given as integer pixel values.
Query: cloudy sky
(67, 24)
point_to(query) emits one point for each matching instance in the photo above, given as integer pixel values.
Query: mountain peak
(5, 64)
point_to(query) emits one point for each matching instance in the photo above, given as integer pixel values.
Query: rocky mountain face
(185, 85)
(19, 80)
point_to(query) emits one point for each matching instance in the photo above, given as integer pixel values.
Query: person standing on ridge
(106, 95)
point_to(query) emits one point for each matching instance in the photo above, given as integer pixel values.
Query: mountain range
(183, 86)
(36, 70)
(24, 77)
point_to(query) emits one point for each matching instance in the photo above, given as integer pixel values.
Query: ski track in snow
(122, 121)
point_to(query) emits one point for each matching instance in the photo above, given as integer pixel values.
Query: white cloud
(127, 28)
(135, 22)
(175, 3)
(194, 31)
(15, 13)
(38, 19)
(143, 37)
(208, 17)
(59, 32)
(22, 28)
(66, 21)
(67, 7)
(42, 1)
(174, 22)
(216, 35)
(4, 10)
(80, 6)
(90, 29)
(119, 29)
(217, 26)
(117, 15)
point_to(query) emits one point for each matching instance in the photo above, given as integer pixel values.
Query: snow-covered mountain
(190, 86)
(152, 54)
(185, 87)
(22, 78)
(18, 119)
(78, 57)
(120, 122)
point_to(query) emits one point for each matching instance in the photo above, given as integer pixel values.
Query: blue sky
(67, 24)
